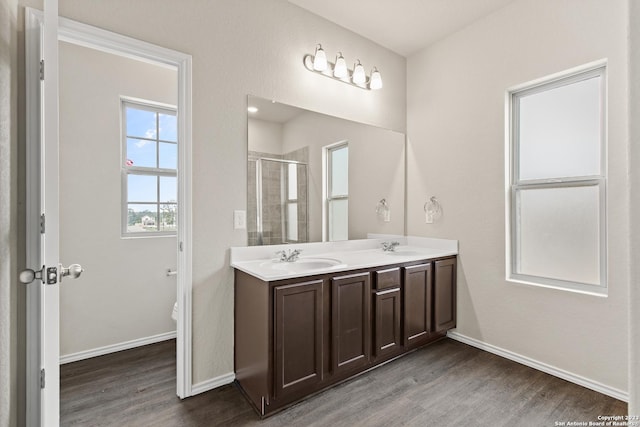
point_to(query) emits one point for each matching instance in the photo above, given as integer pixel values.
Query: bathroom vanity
(303, 326)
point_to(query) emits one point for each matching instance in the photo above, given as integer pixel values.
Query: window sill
(592, 290)
(149, 235)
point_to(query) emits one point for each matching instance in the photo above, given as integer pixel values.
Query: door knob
(73, 271)
(28, 275)
(50, 275)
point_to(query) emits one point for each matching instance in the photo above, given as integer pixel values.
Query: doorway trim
(92, 37)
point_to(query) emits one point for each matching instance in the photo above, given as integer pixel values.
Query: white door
(50, 301)
(46, 273)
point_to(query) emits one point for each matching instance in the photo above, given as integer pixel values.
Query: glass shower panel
(281, 202)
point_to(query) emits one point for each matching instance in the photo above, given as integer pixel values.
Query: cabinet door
(445, 295)
(351, 321)
(387, 339)
(298, 337)
(417, 291)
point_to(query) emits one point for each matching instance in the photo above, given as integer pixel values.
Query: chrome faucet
(389, 246)
(289, 256)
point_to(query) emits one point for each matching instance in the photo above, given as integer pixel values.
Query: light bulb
(376, 79)
(319, 59)
(340, 70)
(359, 77)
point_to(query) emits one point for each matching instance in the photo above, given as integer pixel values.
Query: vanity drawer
(387, 278)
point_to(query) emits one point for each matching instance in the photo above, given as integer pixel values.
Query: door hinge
(42, 69)
(180, 247)
(42, 220)
(42, 378)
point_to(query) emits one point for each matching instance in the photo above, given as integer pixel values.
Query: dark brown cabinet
(417, 299)
(445, 295)
(297, 336)
(387, 338)
(351, 321)
(387, 341)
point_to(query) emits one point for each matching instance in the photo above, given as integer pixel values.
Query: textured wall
(456, 130)
(242, 47)
(8, 215)
(634, 143)
(376, 171)
(124, 292)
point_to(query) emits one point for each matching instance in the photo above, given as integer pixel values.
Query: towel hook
(432, 209)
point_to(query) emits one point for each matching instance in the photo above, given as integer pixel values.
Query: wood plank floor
(445, 384)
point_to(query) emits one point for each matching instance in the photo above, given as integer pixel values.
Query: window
(337, 192)
(149, 166)
(557, 189)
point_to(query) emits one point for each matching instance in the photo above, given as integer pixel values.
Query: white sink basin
(302, 264)
(403, 252)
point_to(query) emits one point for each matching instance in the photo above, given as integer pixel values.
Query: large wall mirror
(314, 177)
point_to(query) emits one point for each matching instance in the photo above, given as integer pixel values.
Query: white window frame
(288, 201)
(126, 170)
(326, 188)
(514, 184)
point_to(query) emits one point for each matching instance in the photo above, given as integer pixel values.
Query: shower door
(281, 203)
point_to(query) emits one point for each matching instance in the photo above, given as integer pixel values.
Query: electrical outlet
(239, 220)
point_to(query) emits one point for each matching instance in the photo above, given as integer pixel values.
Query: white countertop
(259, 261)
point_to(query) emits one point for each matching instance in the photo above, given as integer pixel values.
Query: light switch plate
(239, 220)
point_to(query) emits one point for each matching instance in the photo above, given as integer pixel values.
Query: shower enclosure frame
(259, 197)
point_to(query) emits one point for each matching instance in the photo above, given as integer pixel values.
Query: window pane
(168, 189)
(168, 212)
(339, 171)
(141, 152)
(292, 221)
(142, 188)
(338, 220)
(168, 127)
(142, 218)
(559, 233)
(168, 155)
(141, 123)
(292, 181)
(559, 131)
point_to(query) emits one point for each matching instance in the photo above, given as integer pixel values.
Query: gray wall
(124, 293)
(231, 41)
(456, 129)
(634, 143)
(376, 171)
(8, 215)
(242, 47)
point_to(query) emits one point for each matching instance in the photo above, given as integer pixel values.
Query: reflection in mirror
(314, 177)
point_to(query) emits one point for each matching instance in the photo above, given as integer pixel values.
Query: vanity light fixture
(318, 63)
(252, 109)
(358, 77)
(319, 59)
(340, 69)
(376, 79)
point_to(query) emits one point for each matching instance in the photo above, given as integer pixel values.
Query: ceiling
(272, 111)
(403, 26)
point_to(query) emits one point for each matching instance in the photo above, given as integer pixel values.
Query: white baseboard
(216, 382)
(551, 370)
(100, 351)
